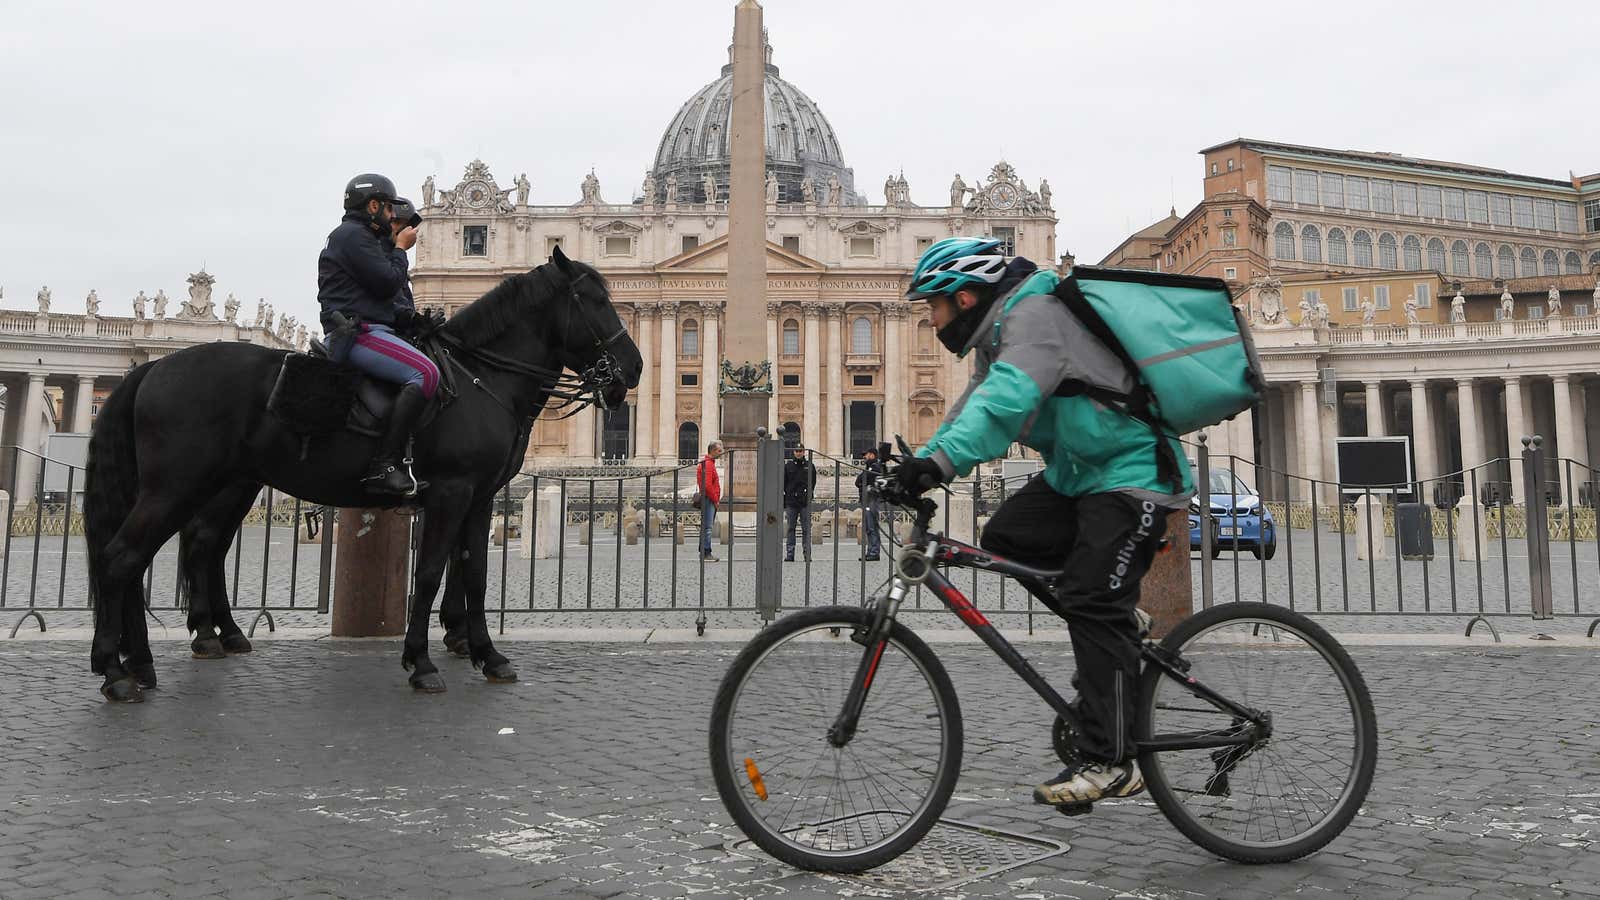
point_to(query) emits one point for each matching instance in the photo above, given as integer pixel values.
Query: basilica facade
(853, 362)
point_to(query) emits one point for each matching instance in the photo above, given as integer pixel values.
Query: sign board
(62, 450)
(1381, 465)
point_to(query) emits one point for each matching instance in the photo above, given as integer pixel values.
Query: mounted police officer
(362, 275)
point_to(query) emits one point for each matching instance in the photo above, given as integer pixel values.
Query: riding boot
(388, 474)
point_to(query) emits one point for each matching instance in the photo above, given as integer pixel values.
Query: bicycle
(819, 780)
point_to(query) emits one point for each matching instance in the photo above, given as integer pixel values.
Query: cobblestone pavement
(310, 768)
(585, 585)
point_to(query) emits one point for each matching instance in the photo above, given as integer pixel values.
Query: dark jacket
(360, 273)
(870, 469)
(799, 478)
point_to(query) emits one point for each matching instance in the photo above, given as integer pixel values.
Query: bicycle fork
(875, 638)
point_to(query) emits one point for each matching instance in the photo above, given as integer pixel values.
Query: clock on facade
(1002, 196)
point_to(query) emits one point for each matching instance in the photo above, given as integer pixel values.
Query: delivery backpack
(1180, 338)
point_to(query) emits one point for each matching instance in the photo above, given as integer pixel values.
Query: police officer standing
(799, 480)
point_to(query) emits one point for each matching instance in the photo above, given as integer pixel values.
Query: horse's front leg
(453, 606)
(444, 508)
(474, 572)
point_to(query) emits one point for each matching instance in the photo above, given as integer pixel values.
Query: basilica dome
(801, 145)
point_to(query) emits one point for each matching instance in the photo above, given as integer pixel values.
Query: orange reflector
(754, 774)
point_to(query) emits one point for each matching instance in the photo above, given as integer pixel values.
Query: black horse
(186, 441)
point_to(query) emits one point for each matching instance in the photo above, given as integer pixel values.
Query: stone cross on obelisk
(744, 400)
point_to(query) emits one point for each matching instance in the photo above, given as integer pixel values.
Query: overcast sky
(139, 141)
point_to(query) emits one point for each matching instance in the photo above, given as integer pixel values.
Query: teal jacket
(1027, 345)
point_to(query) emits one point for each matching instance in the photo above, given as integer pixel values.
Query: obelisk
(744, 403)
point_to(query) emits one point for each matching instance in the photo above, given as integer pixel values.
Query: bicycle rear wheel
(1284, 795)
(799, 798)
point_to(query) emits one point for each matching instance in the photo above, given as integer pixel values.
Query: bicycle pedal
(1074, 809)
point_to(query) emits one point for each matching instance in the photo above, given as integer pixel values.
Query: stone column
(645, 407)
(834, 442)
(811, 424)
(1567, 431)
(1422, 436)
(1310, 428)
(668, 412)
(1471, 433)
(31, 437)
(83, 405)
(1375, 410)
(894, 369)
(1516, 427)
(583, 439)
(710, 355)
(774, 319)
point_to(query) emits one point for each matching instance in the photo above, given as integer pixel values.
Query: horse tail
(110, 487)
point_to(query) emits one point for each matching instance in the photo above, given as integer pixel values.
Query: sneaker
(1145, 622)
(711, 557)
(1090, 782)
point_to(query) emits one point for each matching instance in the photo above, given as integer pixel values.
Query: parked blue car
(1239, 520)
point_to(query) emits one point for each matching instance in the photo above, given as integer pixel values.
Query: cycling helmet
(955, 263)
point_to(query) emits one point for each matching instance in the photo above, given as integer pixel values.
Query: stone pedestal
(959, 506)
(1369, 519)
(1472, 530)
(370, 586)
(742, 414)
(1166, 592)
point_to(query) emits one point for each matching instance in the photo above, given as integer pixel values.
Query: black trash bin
(1414, 521)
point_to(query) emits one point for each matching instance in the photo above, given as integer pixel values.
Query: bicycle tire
(846, 618)
(1365, 741)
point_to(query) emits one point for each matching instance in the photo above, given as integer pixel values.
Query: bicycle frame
(1251, 725)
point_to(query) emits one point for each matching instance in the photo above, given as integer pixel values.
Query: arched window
(1506, 262)
(1483, 261)
(1338, 250)
(1594, 260)
(1311, 244)
(1284, 241)
(1574, 263)
(1362, 243)
(691, 338)
(1387, 258)
(1552, 263)
(1530, 263)
(791, 435)
(861, 336)
(927, 423)
(1436, 255)
(1458, 259)
(926, 337)
(791, 337)
(688, 442)
(1413, 250)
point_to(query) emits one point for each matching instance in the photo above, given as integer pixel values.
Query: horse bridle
(586, 388)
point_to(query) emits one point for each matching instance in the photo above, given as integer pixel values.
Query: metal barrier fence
(1346, 551)
(625, 542)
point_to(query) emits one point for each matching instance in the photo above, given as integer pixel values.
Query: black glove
(919, 474)
(404, 317)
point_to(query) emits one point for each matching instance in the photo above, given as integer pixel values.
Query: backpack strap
(1138, 403)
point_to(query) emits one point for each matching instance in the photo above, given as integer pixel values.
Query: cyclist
(1099, 508)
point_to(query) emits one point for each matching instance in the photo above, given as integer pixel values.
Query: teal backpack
(1181, 339)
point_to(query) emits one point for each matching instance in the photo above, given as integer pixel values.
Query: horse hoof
(428, 683)
(144, 675)
(123, 690)
(207, 648)
(236, 643)
(500, 673)
(457, 646)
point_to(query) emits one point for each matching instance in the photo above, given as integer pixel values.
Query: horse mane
(509, 304)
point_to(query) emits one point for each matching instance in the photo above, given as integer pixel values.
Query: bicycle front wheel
(1290, 789)
(805, 801)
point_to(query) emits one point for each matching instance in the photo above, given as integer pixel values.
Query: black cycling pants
(1106, 543)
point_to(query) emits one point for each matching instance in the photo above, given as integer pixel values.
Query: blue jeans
(708, 515)
(869, 524)
(801, 514)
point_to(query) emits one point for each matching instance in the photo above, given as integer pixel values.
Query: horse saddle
(315, 395)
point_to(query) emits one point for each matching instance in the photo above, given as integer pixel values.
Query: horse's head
(593, 340)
